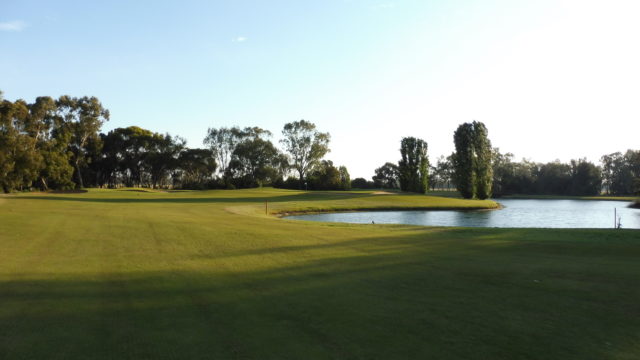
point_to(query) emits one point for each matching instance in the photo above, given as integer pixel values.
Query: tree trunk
(80, 184)
(44, 183)
(302, 187)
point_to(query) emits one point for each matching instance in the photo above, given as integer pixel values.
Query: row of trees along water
(478, 170)
(58, 144)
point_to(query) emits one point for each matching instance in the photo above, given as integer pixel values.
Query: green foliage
(511, 177)
(82, 117)
(387, 176)
(125, 152)
(139, 157)
(442, 174)
(56, 144)
(247, 157)
(483, 169)
(553, 178)
(222, 143)
(290, 182)
(464, 161)
(621, 172)
(413, 168)
(255, 159)
(345, 178)
(53, 138)
(195, 168)
(20, 160)
(586, 178)
(325, 176)
(578, 178)
(162, 157)
(306, 145)
(472, 163)
(362, 183)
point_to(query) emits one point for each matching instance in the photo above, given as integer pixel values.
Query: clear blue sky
(550, 78)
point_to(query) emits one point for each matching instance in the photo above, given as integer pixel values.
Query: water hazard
(515, 214)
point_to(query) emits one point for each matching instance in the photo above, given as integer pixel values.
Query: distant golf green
(133, 274)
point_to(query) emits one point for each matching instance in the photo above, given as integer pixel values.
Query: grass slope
(567, 197)
(207, 275)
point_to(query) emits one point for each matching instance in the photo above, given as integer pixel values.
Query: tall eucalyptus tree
(306, 145)
(83, 117)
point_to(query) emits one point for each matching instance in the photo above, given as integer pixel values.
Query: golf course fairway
(134, 274)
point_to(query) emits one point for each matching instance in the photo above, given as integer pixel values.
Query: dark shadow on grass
(75, 191)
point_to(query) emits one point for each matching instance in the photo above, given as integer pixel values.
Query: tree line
(478, 170)
(469, 168)
(58, 144)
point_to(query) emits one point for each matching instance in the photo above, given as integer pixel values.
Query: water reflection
(516, 213)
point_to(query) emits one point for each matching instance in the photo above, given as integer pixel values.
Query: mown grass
(207, 275)
(566, 197)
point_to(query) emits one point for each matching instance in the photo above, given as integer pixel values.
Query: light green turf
(554, 197)
(207, 275)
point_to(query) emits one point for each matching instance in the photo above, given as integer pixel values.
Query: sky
(551, 79)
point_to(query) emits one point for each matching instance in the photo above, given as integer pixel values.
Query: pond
(515, 214)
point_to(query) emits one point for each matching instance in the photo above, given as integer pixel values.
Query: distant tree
(386, 176)
(464, 161)
(325, 176)
(49, 140)
(290, 182)
(362, 183)
(138, 157)
(483, 169)
(92, 171)
(196, 168)
(306, 146)
(524, 178)
(162, 157)
(443, 172)
(223, 143)
(83, 117)
(413, 168)
(554, 178)
(503, 172)
(472, 160)
(127, 149)
(632, 159)
(20, 162)
(586, 178)
(282, 165)
(52, 141)
(620, 171)
(345, 178)
(109, 162)
(579, 177)
(255, 158)
(609, 170)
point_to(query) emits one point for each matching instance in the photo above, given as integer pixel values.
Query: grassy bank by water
(563, 197)
(113, 274)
